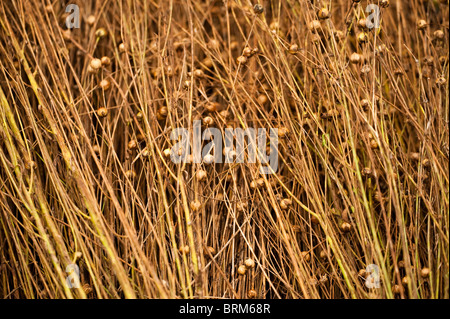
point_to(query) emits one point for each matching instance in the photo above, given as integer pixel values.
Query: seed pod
(363, 37)
(187, 85)
(249, 263)
(105, 84)
(251, 294)
(200, 175)
(323, 14)
(105, 61)
(101, 33)
(90, 20)
(440, 82)
(208, 120)
(365, 103)
(130, 174)
(355, 58)
(397, 289)
(362, 273)
(323, 254)
(285, 203)
(314, 220)
(102, 112)
(338, 35)
(262, 99)
(208, 159)
(405, 281)
(398, 72)
(314, 26)
(345, 227)
(306, 256)
(210, 250)
(87, 289)
(212, 106)
(242, 270)
(184, 249)
(95, 64)
(163, 111)
(132, 144)
(241, 206)
(362, 24)
(373, 144)
(258, 9)
(241, 60)
(425, 272)
(366, 171)
(145, 153)
(384, 3)
(214, 44)
(207, 63)
(414, 156)
(283, 131)
(67, 34)
(198, 73)
(293, 49)
(421, 24)
(247, 52)
(166, 152)
(439, 34)
(195, 205)
(96, 149)
(122, 47)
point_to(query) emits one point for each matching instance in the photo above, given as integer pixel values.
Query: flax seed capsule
(102, 112)
(242, 270)
(249, 263)
(195, 205)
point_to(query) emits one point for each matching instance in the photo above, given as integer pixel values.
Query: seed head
(122, 47)
(95, 64)
(249, 263)
(425, 272)
(355, 58)
(166, 152)
(195, 205)
(105, 84)
(421, 24)
(242, 270)
(184, 249)
(241, 60)
(212, 106)
(102, 112)
(345, 227)
(384, 3)
(293, 49)
(439, 34)
(285, 203)
(101, 33)
(363, 37)
(90, 20)
(323, 14)
(105, 61)
(251, 294)
(258, 9)
(314, 26)
(200, 175)
(130, 174)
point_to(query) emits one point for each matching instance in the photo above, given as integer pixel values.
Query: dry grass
(364, 163)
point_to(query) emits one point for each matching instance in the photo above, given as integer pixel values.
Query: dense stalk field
(357, 207)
